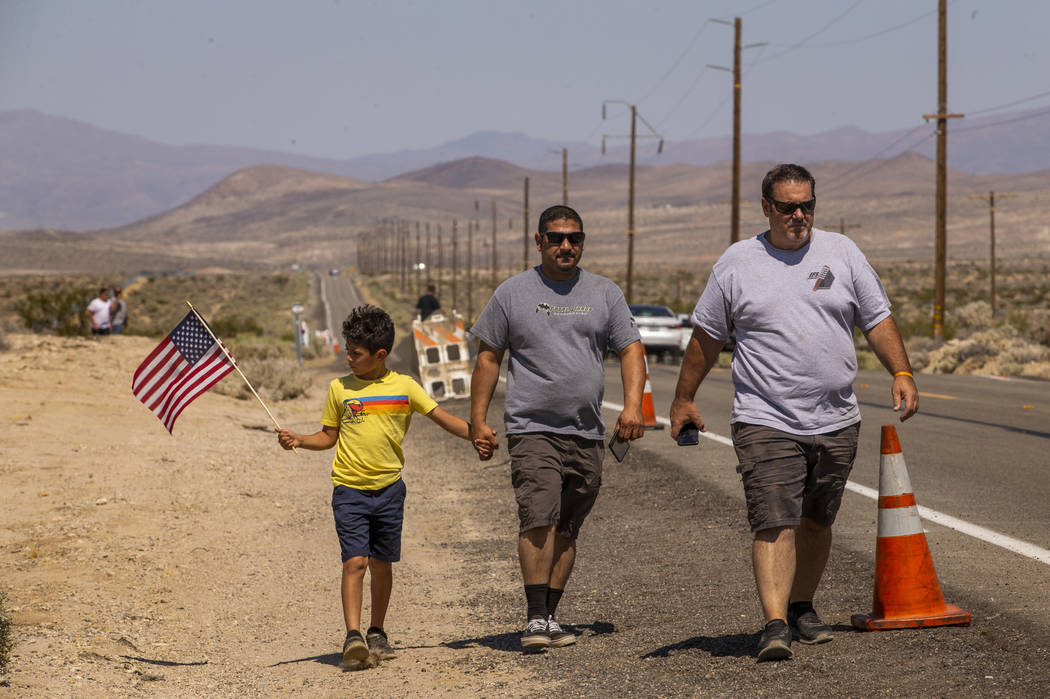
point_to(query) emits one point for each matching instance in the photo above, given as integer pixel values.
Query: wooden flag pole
(230, 359)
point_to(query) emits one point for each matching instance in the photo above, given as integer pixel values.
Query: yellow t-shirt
(372, 417)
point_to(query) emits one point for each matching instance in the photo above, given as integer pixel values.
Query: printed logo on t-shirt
(356, 409)
(563, 310)
(824, 278)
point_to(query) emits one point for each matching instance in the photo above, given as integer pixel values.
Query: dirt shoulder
(206, 564)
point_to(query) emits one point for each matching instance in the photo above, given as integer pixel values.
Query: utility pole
(441, 258)
(991, 242)
(426, 260)
(493, 268)
(525, 250)
(402, 239)
(734, 216)
(471, 225)
(942, 116)
(419, 260)
(843, 224)
(630, 189)
(455, 265)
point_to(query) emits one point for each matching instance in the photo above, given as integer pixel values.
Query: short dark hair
(431, 288)
(558, 213)
(787, 172)
(370, 327)
(103, 290)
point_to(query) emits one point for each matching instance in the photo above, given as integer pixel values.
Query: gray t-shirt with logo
(557, 333)
(793, 314)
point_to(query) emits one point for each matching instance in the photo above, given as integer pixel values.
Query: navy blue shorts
(368, 522)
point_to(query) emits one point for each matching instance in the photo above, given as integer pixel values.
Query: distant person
(366, 416)
(792, 295)
(98, 312)
(119, 310)
(557, 321)
(428, 303)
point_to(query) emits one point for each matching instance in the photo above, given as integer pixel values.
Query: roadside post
(297, 309)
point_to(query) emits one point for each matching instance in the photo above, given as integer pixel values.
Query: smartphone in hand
(689, 435)
(618, 448)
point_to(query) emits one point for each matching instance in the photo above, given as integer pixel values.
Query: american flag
(186, 364)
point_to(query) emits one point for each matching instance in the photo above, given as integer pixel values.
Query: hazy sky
(340, 78)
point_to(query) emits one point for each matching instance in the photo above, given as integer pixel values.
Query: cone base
(952, 616)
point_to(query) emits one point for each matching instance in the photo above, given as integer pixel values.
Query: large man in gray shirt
(792, 296)
(557, 320)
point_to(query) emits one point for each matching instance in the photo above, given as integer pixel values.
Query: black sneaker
(775, 643)
(559, 636)
(535, 635)
(354, 647)
(806, 626)
(378, 643)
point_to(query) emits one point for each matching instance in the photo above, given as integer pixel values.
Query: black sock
(800, 608)
(553, 597)
(536, 598)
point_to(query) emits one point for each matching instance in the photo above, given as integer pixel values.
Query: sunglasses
(575, 239)
(788, 207)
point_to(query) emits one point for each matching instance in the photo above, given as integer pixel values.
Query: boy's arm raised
(318, 441)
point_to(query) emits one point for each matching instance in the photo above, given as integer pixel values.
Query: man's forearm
(885, 341)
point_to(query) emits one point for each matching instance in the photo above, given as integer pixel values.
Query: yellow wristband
(904, 373)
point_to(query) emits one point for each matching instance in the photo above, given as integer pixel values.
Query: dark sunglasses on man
(556, 238)
(788, 207)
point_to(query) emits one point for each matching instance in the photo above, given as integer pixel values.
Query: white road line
(977, 532)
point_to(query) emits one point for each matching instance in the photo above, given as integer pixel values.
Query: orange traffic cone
(648, 412)
(907, 593)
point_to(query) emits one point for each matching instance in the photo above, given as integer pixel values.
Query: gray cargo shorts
(556, 478)
(790, 476)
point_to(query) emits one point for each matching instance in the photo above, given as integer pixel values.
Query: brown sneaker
(354, 647)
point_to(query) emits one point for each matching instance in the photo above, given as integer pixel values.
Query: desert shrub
(273, 372)
(274, 379)
(6, 642)
(230, 326)
(1034, 325)
(4, 346)
(970, 355)
(975, 315)
(57, 310)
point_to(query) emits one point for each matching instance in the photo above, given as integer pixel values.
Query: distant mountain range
(63, 174)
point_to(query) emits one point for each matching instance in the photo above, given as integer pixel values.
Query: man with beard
(557, 321)
(792, 295)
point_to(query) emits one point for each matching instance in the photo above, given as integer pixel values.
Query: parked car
(687, 332)
(661, 330)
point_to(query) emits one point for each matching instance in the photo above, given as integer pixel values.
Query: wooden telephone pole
(991, 242)
(525, 249)
(734, 216)
(942, 116)
(628, 293)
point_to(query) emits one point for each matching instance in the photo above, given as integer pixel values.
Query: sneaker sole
(357, 653)
(814, 641)
(535, 642)
(774, 651)
(562, 642)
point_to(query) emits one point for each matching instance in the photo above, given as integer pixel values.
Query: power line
(678, 61)
(817, 33)
(879, 33)
(1004, 121)
(996, 108)
(840, 183)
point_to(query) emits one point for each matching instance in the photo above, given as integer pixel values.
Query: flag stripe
(186, 380)
(182, 367)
